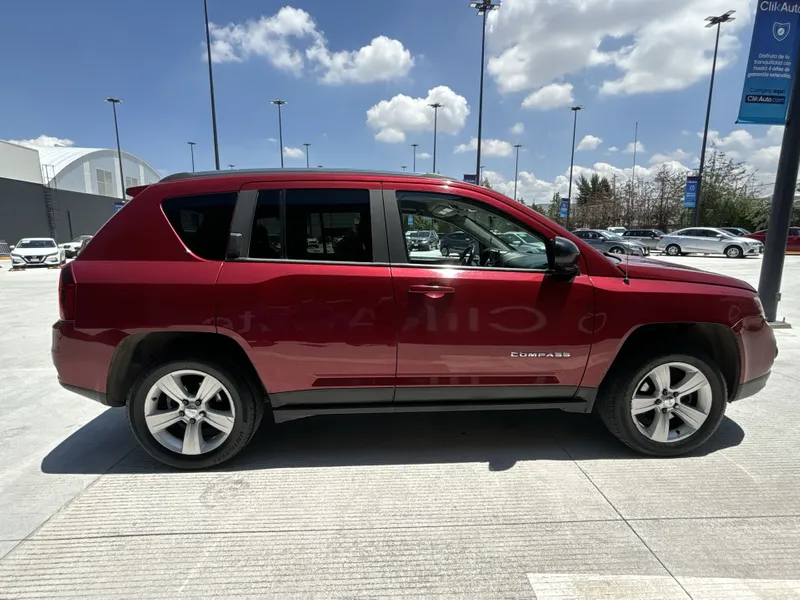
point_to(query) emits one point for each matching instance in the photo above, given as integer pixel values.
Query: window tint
(265, 237)
(794, 231)
(202, 222)
(692, 232)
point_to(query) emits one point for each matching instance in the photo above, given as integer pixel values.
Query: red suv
(212, 299)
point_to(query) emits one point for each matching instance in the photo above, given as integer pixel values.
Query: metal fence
(4, 249)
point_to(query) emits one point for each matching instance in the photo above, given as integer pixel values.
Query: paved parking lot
(514, 505)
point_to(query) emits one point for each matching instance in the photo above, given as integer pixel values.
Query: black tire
(734, 252)
(248, 413)
(614, 403)
(617, 250)
(445, 251)
(673, 250)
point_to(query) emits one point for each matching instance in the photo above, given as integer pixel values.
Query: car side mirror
(11, 247)
(720, 236)
(565, 258)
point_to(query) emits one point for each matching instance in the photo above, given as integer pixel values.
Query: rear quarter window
(202, 222)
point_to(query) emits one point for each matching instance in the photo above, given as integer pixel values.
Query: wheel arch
(716, 341)
(139, 351)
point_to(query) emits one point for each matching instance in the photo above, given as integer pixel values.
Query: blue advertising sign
(770, 68)
(470, 178)
(690, 195)
(564, 209)
(118, 206)
(410, 220)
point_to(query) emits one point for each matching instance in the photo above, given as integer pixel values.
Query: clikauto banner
(773, 54)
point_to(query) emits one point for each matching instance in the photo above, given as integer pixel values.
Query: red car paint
(385, 332)
(792, 242)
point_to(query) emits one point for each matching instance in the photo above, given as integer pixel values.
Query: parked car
(792, 242)
(645, 237)
(737, 231)
(606, 241)
(455, 242)
(84, 243)
(37, 252)
(205, 330)
(523, 241)
(71, 248)
(617, 230)
(707, 240)
(422, 240)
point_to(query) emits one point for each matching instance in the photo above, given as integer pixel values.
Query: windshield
(610, 236)
(36, 244)
(420, 234)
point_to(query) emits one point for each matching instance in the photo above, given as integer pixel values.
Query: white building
(87, 170)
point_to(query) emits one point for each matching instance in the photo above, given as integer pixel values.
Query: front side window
(202, 222)
(320, 225)
(490, 233)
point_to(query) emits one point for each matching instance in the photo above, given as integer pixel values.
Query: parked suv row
(286, 294)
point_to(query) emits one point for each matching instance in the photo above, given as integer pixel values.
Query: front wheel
(617, 250)
(445, 251)
(673, 250)
(664, 406)
(734, 252)
(193, 414)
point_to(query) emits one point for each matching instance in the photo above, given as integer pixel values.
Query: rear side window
(202, 222)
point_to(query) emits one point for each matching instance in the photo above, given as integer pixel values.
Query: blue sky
(643, 60)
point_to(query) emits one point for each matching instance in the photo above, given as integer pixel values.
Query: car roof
(37, 240)
(301, 174)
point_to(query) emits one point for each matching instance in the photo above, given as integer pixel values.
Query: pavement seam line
(67, 504)
(616, 510)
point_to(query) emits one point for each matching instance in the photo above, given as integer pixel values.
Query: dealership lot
(528, 505)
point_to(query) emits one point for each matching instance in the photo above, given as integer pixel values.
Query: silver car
(606, 241)
(708, 240)
(646, 237)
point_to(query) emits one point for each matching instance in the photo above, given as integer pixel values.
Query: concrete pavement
(503, 505)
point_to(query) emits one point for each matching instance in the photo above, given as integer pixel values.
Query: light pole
(575, 110)
(306, 144)
(484, 7)
(114, 102)
(718, 21)
(405, 168)
(191, 147)
(211, 88)
(231, 166)
(480, 177)
(278, 102)
(435, 106)
(414, 167)
(516, 170)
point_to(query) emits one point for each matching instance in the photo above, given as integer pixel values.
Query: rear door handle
(431, 291)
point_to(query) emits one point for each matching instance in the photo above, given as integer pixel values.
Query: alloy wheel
(189, 412)
(617, 250)
(672, 402)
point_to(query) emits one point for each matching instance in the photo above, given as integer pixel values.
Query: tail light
(661, 237)
(66, 294)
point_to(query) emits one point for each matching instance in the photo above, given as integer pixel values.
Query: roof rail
(209, 174)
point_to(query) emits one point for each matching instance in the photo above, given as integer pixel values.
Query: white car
(37, 252)
(71, 248)
(617, 230)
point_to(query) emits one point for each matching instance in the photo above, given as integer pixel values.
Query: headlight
(760, 307)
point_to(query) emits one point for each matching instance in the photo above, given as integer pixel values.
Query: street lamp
(114, 102)
(712, 21)
(575, 110)
(231, 166)
(191, 147)
(435, 106)
(516, 170)
(480, 177)
(306, 144)
(211, 88)
(484, 7)
(320, 167)
(278, 102)
(405, 168)
(414, 167)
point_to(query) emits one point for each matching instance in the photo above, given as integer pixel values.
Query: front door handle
(432, 291)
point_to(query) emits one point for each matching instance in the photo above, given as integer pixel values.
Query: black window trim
(398, 252)
(244, 213)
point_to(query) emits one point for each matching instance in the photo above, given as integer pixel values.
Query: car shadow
(500, 439)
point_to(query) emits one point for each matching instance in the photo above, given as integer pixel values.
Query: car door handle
(431, 291)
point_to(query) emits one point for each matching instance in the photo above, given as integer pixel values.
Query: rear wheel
(617, 250)
(664, 406)
(734, 252)
(673, 250)
(445, 251)
(193, 414)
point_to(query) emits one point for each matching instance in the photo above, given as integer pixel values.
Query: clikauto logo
(781, 30)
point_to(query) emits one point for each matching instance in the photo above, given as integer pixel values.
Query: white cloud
(530, 189)
(46, 141)
(393, 119)
(590, 142)
(639, 147)
(424, 155)
(272, 140)
(290, 37)
(489, 147)
(678, 155)
(613, 149)
(640, 45)
(550, 96)
(293, 152)
(518, 129)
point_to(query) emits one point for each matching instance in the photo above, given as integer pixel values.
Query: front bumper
(757, 352)
(751, 388)
(34, 261)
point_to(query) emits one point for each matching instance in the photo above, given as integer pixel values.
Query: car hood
(34, 251)
(647, 268)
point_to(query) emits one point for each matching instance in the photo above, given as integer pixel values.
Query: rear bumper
(100, 397)
(82, 359)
